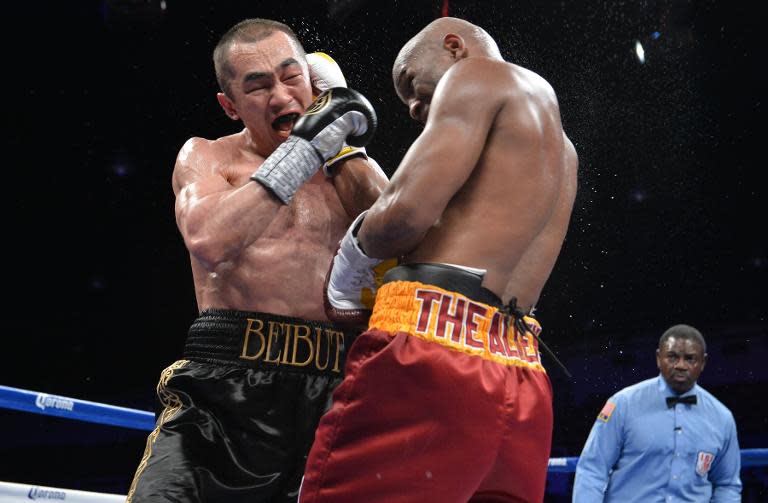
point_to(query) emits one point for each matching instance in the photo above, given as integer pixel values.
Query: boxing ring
(93, 412)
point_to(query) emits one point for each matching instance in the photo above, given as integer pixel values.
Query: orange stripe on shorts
(455, 321)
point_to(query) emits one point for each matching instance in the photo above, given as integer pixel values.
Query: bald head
(433, 36)
(423, 61)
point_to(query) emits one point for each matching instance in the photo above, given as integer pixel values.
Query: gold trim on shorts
(171, 404)
(456, 322)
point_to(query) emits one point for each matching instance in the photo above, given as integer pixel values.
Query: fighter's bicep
(443, 157)
(195, 193)
(448, 150)
(462, 114)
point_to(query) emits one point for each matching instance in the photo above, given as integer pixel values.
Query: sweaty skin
(490, 182)
(249, 251)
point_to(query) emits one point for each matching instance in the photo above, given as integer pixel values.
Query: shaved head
(248, 31)
(431, 37)
(426, 57)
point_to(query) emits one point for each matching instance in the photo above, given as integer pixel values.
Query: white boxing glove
(352, 280)
(325, 73)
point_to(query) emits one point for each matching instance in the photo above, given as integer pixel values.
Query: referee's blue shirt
(640, 450)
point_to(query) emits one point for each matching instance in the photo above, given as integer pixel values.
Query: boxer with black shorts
(445, 397)
(261, 213)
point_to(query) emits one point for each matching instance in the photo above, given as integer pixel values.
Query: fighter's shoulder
(476, 80)
(191, 149)
(197, 147)
(201, 157)
(478, 71)
(198, 153)
(529, 78)
(502, 78)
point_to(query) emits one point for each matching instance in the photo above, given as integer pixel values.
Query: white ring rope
(82, 410)
(11, 492)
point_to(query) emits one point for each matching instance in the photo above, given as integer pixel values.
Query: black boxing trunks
(240, 410)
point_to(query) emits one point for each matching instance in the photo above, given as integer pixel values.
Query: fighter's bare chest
(315, 212)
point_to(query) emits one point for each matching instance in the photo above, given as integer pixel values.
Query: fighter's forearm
(390, 231)
(217, 227)
(358, 184)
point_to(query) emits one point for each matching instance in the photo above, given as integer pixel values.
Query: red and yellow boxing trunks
(443, 400)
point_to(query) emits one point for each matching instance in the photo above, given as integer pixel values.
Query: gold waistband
(455, 321)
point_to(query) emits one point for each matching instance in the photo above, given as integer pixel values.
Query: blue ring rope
(82, 410)
(72, 408)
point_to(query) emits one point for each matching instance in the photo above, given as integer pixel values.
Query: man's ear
(228, 106)
(456, 45)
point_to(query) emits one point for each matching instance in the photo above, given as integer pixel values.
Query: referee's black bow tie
(672, 400)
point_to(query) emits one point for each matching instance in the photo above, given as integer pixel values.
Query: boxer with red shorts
(445, 398)
(468, 396)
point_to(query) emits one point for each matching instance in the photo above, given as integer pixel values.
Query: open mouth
(285, 123)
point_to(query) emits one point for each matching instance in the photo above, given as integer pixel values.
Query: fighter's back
(511, 214)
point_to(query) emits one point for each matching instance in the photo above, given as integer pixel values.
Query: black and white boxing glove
(325, 73)
(337, 115)
(353, 280)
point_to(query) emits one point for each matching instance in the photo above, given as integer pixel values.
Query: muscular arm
(359, 182)
(217, 220)
(439, 162)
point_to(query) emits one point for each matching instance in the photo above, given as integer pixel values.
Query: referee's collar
(666, 391)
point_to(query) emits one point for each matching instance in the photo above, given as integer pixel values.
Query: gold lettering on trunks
(293, 344)
(318, 345)
(458, 322)
(285, 351)
(307, 340)
(274, 332)
(248, 331)
(339, 336)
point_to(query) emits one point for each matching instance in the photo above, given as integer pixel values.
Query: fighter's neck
(251, 146)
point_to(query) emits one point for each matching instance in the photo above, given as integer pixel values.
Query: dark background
(668, 226)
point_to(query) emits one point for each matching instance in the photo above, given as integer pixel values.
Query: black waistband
(267, 341)
(446, 277)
